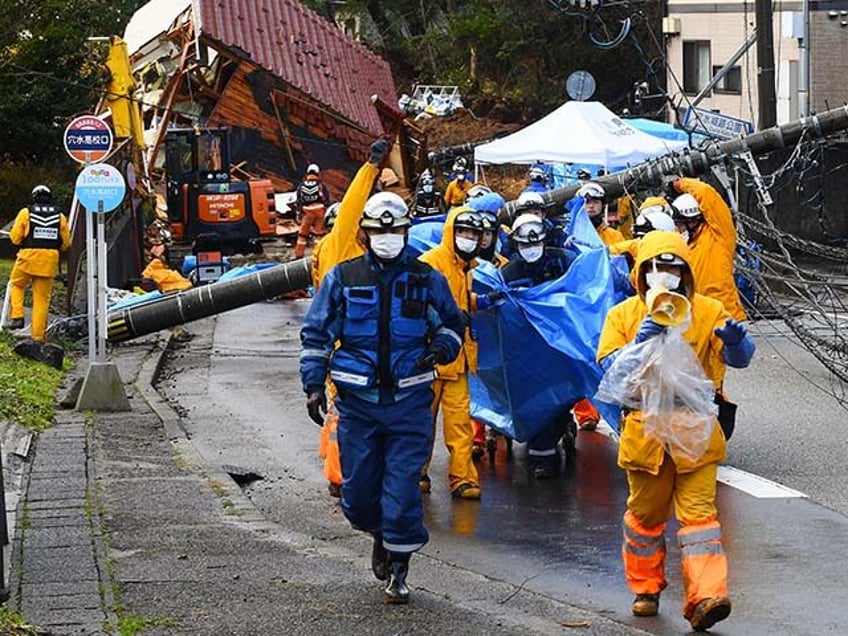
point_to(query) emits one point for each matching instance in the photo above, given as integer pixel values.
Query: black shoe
(335, 490)
(16, 323)
(396, 591)
(379, 558)
(543, 471)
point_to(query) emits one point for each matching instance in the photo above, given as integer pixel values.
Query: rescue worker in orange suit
(660, 480)
(342, 243)
(377, 326)
(41, 231)
(454, 259)
(310, 205)
(706, 223)
(457, 189)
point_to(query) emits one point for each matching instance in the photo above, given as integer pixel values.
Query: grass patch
(132, 625)
(27, 388)
(13, 624)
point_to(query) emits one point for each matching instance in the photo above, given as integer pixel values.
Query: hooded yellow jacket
(37, 261)
(457, 271)
(636, 450)
(340, 244)
(713, 247)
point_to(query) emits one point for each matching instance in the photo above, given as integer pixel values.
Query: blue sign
(100, 184)
(715, 124)
(88, 139)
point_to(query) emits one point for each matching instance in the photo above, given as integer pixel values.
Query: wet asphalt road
(238, 388)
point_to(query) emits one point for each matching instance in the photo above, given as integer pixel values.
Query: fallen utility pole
(176, 309)
(693, 163)
(200, 302)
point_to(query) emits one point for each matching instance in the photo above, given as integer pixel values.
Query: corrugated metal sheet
(305, 50)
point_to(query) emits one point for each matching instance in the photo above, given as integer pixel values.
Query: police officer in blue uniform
(392, 318)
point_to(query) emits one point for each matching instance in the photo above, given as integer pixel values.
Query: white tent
(577, 132)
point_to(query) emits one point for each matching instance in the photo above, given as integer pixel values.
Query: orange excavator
(203, 198)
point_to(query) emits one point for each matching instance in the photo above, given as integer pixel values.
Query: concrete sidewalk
(122, 523)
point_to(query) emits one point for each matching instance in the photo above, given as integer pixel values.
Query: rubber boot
(397, 591)
(379, 558)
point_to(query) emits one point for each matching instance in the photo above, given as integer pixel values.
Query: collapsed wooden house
(292, 88)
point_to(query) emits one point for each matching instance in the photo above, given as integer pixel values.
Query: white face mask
(667, 280)
(387, 246)
(466, 245)
(531, 253)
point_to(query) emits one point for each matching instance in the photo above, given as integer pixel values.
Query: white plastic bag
(663, 378)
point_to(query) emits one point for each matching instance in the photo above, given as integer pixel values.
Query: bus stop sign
(88, 139)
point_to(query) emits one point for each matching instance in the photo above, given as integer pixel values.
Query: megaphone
(667, 308)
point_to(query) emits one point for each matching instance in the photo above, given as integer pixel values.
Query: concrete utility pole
(765, 63)
(804, 62)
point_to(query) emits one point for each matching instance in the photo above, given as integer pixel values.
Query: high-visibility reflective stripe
(631, 534)
(402, 547)
(416, 379)
(334, 436)
(643, 550)
(451, 333)
(314, 353)
(702, 549)
(541, 453)
(350, 378)
(699, 536)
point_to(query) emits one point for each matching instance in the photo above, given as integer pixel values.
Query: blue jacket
(384, 319)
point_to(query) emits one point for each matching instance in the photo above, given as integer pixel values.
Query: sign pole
(91, 286)
(102, 276)
(100, 188)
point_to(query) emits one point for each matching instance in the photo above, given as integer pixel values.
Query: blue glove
(739, 348)
(732, 333)
(484, 301)
(379, 150)
(648, 329)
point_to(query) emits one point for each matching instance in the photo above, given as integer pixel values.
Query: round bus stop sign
(100, 184)
(88, 139)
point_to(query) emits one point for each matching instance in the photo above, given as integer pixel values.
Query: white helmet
(313, 168)
(592, 190)
(652, 218)
(528, 228)
(529, 201)
(686, 207)
(385, 209)
(41, 192)
(537, 173)
(331, 214)
(477, 190)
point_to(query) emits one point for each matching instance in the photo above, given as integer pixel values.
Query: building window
(696, 65)
(731, 82)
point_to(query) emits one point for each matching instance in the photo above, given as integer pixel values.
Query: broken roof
(290, 41)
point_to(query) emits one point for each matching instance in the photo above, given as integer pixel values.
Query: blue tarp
(537, 349)
(663, 130)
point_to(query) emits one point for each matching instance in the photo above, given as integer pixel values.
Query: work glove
(732, 333)
(484, 301)
(436, 354)
(648, 329)
(316, 404)
(379, 150)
